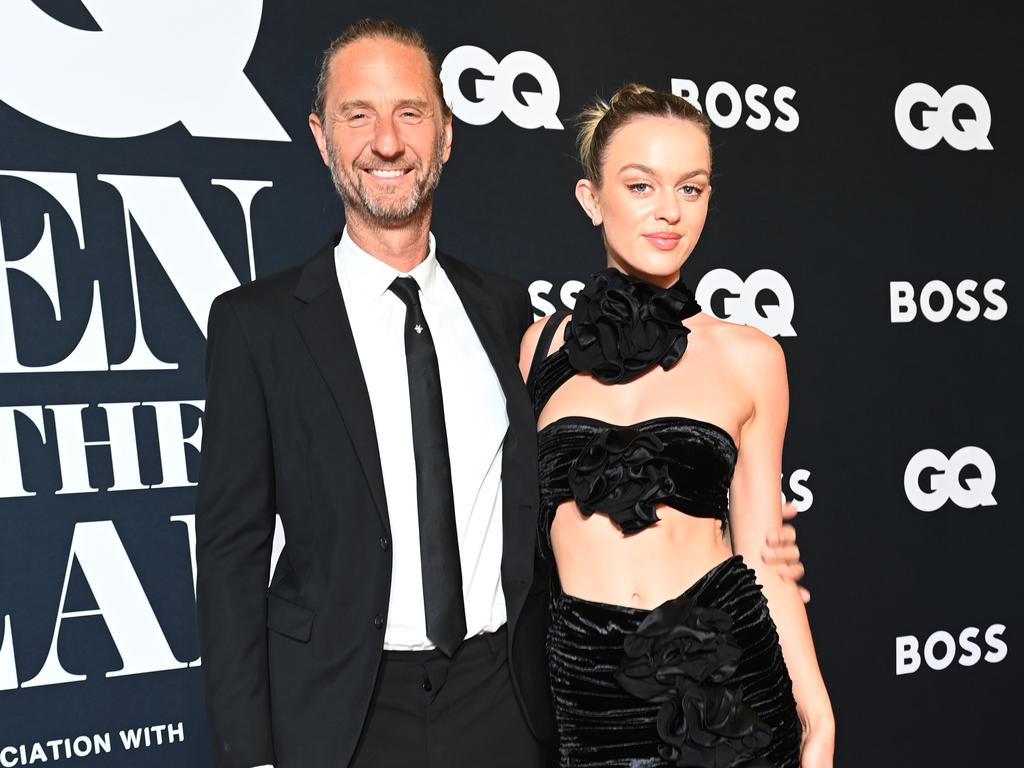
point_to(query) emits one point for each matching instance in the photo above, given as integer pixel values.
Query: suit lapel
(519, 461)
(479, 307)
(323, 323)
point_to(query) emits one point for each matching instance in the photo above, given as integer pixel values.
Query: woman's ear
(586, 194)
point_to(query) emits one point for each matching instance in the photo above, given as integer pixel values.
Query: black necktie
(439, 541)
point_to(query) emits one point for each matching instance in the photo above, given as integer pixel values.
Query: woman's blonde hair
(599, 122)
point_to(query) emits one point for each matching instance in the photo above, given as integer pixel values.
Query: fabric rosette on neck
(622, 326)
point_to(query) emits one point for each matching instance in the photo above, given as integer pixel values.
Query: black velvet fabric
(708, 687)
(624, 472)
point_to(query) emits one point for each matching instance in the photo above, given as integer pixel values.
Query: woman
(661, 649)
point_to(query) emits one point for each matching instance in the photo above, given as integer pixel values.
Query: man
(372, 398)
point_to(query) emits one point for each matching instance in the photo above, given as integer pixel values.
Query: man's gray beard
(355, 195)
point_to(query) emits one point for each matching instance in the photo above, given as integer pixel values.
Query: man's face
(385, 136)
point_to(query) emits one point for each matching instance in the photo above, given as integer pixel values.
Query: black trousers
(431, 711)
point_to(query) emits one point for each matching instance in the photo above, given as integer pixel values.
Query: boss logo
(180, 62)
(542, 293)
(764, 300)
(941, 648)
(937, 301)
(967, 478)
(802, 496)
(725, 107)
(924, 117)
(494, 88)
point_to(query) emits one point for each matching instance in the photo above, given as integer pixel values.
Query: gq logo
(494, 88)
(932, 479)
(764, 300)
(938, 119)
(152, 65)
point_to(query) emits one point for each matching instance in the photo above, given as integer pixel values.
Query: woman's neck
(664, 281)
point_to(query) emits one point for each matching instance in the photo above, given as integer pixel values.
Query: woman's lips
(663, 241)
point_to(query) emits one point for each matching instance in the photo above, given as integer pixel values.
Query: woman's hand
(782, 553)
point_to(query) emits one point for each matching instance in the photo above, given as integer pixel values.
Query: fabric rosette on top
(623, 474)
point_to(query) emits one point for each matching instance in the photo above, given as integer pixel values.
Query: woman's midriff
(597, 562)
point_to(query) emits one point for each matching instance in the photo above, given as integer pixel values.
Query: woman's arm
(755, 511)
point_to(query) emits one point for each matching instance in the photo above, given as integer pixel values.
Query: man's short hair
(380, 30)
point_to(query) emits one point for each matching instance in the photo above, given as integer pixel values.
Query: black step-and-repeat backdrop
(867, 181)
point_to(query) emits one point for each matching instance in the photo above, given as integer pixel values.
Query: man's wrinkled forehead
(380, 70)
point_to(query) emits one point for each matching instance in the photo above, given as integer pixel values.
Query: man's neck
(402, 246)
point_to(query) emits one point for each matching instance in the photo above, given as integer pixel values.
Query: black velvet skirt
(698, 681)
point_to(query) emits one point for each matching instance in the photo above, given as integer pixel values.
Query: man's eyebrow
(416, 103)
(345, 106)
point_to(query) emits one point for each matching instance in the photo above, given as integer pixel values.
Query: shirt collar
(369, 277)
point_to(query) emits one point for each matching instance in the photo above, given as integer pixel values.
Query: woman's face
(653, 197)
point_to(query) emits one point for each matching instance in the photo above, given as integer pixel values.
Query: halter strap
(547, 333)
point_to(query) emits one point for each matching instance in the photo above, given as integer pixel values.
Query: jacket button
(378, 621)
(426, 685)
(384, 543)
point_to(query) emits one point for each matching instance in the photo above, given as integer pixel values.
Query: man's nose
(387, 140)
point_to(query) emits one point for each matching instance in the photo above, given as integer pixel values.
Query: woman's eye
(640, 187)
(691, 190)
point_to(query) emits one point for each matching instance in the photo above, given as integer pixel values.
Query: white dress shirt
(474, 415)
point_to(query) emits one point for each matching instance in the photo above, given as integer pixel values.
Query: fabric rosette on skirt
(682, 655)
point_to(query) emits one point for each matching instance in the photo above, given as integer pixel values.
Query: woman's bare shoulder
(747, 351)
(531, 337)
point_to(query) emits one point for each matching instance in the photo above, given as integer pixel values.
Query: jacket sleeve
(234, 536)
(522, 310)
(526, 310)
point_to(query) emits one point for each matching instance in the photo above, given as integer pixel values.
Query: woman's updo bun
(599, 122)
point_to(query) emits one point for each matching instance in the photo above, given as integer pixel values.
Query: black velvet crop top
(620, 328)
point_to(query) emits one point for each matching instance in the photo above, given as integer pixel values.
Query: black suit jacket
(288, 429)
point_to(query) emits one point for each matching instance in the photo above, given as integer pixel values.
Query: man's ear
(446, 128)
(586, 194)
(319, 137)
